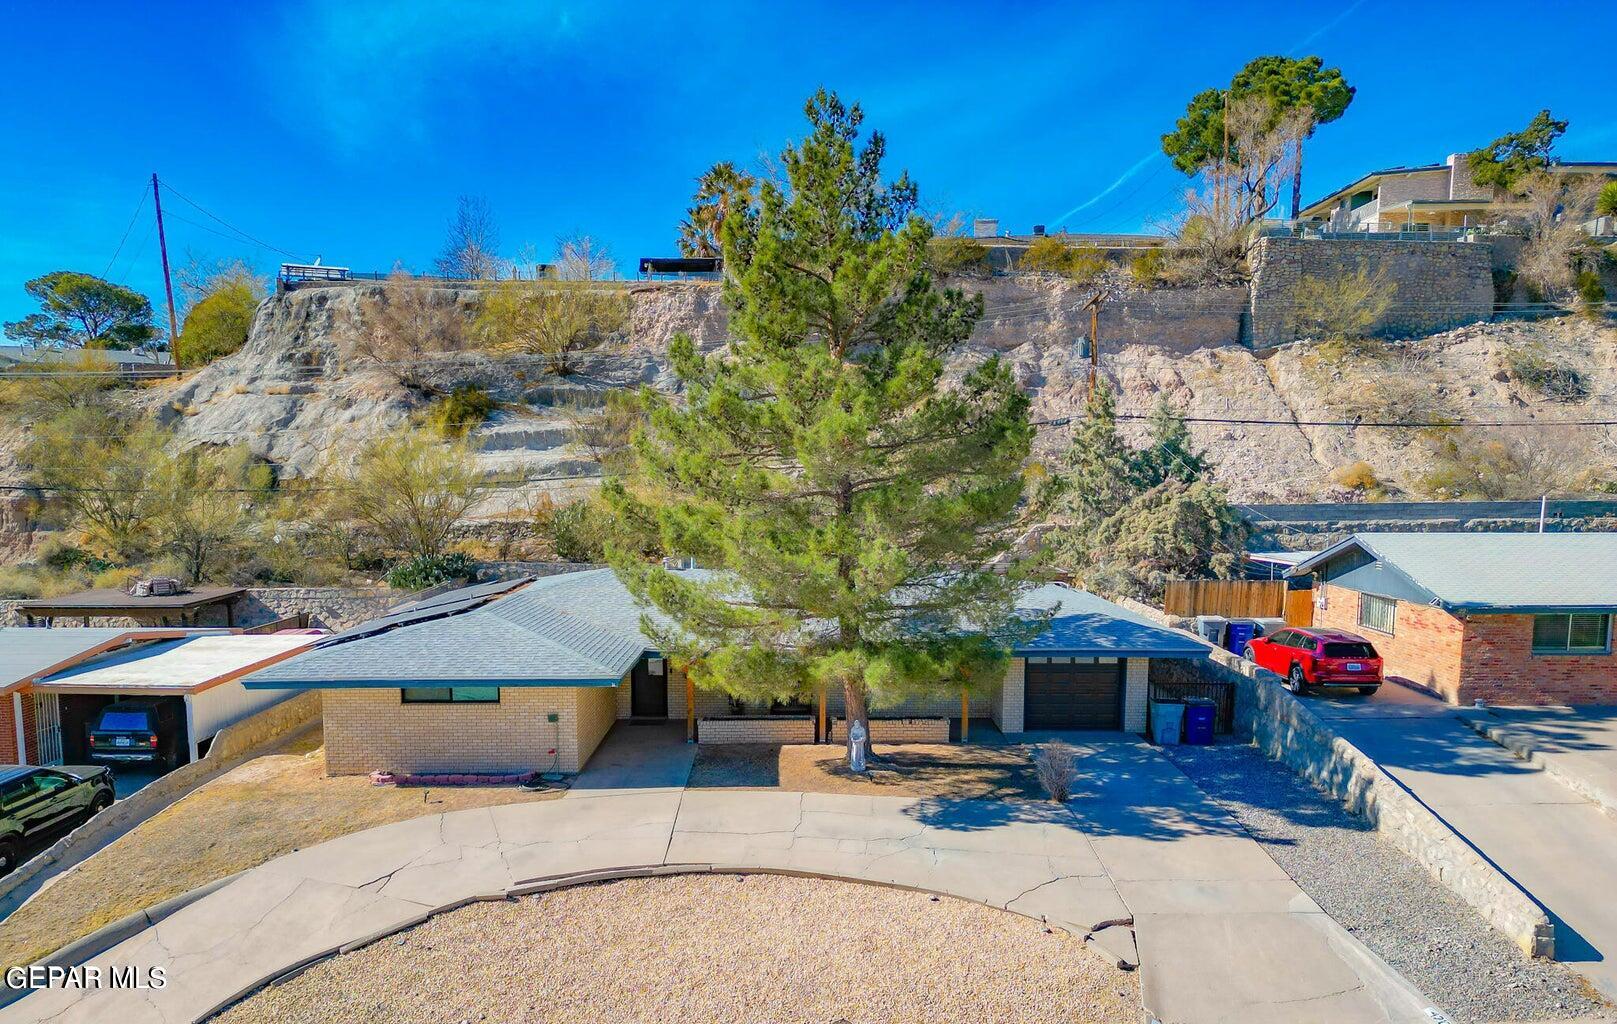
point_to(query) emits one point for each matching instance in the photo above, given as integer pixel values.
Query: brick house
(1508, 618)
(532, 674)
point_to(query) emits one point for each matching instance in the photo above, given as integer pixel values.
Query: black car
(36, 800)
(136, 732)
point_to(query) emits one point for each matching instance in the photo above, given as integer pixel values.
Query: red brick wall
(1485, 657)
(1501, 668)
(1425, 646)
(8, 730)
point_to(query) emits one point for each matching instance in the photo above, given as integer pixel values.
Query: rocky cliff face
(295, 399)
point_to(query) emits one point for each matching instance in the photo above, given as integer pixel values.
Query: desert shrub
(425, 571)
(1052, 255)
(1057, 769)
(1493, 464)
(217, 326)
(578, 532)
(64, 557)
(1590, 291)
(1343, 307)
(1359, 476)
(121, 576)
(1149, 267)
(1504, 288)
(1532, 366)
(461, 410)
(957, 254)
(17, 584)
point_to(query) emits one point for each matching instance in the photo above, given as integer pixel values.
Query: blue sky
(347, 129)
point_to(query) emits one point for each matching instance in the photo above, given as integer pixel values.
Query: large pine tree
(845, 495)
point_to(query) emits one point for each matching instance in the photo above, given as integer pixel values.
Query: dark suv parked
(36, 800)
(136, 732)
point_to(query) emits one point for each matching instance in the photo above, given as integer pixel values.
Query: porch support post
(690, 707)
(16, 718)
(819, 727)
(965, 714)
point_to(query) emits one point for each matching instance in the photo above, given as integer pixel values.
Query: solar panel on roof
(439, 605)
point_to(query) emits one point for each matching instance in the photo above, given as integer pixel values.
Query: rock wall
(1434, 285)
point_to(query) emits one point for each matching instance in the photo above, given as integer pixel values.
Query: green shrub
(1052, 255)
(461, 410)
(1590, 290)
(957, 254)
(578, 532)
(64, 557)
(430, 570)
(216, 326)
(1149, 266)
(1531, 366)
(19, 584)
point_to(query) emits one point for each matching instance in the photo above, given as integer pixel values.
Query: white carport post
(190, 726)
(16, 719)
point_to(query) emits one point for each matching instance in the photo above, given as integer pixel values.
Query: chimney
(985, 227)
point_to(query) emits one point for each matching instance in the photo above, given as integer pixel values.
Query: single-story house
(134, 364)
(532, 674)
(1509, 618)
(54, 682)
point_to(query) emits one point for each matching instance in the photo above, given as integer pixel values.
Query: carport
(201, 675)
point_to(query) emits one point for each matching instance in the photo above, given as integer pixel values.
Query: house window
(450, 695)
(1377, 612)
(1581, 633)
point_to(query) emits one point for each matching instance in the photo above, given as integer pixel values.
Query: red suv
(1318, 657)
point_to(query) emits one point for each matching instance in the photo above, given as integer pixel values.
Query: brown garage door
(1073, 693)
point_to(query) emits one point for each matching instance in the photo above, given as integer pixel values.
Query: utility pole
(1094, 343)
(162, 247)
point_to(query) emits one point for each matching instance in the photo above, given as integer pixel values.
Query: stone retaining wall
(326, 607)
(773, 729)
(1287, 730)
(897, 730)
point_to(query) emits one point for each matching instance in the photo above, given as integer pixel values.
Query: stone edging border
(1521, 745)
(107, 936)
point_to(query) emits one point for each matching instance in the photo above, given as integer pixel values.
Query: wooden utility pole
(1094, 343)
(162, 247)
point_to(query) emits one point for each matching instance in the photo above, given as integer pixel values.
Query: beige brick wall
(1136, 693)
(372, 729)
(1009, 709)
(897, 730)
(755, 730)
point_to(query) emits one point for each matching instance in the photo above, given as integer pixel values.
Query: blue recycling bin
(1200, 713)
(1238, 634)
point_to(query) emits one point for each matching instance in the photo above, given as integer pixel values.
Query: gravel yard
(710, 949)
(1390, 902)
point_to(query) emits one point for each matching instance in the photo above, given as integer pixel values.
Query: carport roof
(583, 629)
(188, 665)
(28, 652)
(1493, 572)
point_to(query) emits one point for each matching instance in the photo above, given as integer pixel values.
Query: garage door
(1073, 693)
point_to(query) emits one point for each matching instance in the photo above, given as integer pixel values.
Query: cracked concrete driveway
(1223, 934)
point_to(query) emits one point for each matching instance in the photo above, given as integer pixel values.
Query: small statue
(857, 734)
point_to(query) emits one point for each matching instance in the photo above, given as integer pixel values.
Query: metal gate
(48, 727)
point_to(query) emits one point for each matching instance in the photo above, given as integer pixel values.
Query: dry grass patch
(713, 949)
(254, 813)
(948, 770)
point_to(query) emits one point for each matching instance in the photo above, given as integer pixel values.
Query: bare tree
(402, 326)
(580, 257)
(1556, 207)
(471, 250)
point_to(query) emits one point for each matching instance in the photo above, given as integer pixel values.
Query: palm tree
(722, 190)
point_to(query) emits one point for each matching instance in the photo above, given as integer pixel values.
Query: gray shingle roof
(583, 629)
(1483, 572)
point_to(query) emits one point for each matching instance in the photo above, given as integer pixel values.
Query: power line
(232, 227)
(139, 206)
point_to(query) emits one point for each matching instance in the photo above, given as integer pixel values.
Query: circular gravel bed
(1388, 901)
(710, 949)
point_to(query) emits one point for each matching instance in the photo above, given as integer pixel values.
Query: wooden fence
(1233, 599)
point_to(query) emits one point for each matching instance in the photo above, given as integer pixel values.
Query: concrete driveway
(1558, 846)
(1223, 934)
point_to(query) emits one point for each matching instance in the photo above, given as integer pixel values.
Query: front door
(648, 688)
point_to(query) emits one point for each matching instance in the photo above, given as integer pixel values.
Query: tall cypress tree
(846, 497)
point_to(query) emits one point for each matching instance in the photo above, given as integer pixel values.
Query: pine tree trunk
(854, 710)
(1297, 183)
